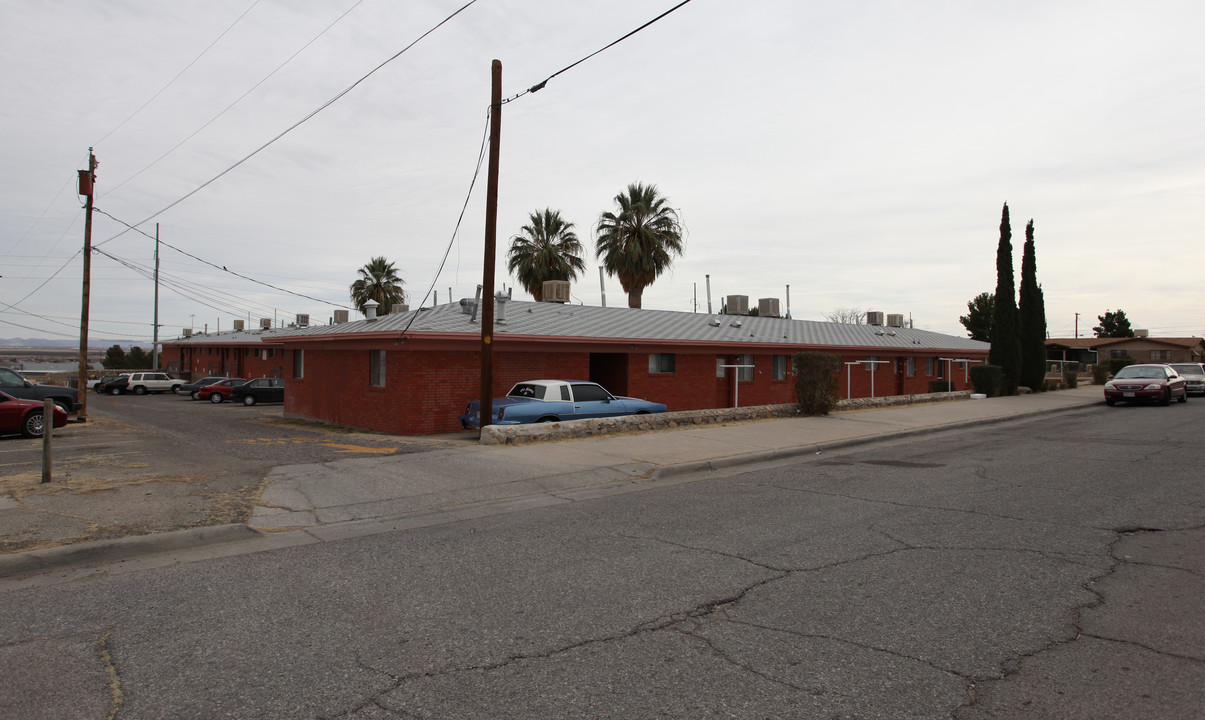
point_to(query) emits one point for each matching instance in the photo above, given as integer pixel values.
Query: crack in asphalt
(116, 696)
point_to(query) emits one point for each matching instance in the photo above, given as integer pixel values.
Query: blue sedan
(537, 401)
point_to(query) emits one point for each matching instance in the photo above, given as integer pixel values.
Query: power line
(540, 85)
(240, 98)
(177, 77)
(297, 124)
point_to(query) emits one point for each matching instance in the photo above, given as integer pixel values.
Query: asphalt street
(1047, 568)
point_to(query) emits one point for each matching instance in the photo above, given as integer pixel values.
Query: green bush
(1071, 375)
(816, 383)
(1116, 364)
(987, 379)
(1100, 374)
(940, 386)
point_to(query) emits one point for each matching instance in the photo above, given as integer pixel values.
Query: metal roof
(226, 337)
(558, 321)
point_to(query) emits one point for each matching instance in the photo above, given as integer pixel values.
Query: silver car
(1194, 373)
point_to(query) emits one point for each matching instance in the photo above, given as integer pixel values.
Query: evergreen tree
(138, 359)
(978, 320)
(115, 358)
(1006, 333)
(1113, 325)
(1033, 319)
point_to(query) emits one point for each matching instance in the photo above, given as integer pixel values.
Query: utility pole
(87, 183)
(155, 336)
(1077, 325)
(491, 239)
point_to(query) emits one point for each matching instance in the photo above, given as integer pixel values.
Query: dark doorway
(611, 371)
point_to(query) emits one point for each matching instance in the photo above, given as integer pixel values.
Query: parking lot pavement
(147, 464)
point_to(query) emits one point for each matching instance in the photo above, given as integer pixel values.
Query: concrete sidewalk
(348, 498)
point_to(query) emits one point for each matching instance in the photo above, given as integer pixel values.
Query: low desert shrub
(816, 383)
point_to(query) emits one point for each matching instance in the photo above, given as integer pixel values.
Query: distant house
(1139, 349)
(412, 373)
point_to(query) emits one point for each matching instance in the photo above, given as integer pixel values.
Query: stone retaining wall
(576, 429)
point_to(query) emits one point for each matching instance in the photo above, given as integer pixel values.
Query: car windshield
(527, 390)
(1189, 369)
(1140, 372)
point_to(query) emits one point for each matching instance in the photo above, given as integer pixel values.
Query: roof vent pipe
(708, 293)
(500, 300)
(370, 310)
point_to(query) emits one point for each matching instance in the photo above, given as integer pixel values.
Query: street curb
(61, 556)
(735, 461)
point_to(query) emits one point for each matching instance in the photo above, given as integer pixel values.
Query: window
(299, 363)
(911, 365)
(941, 369)
(929, 362)
(871, 363)
(746, 373)
(719, 367)
(1117, 353)
(780, 367)
(271, 353)
(661, 363)
(1164, 355)
(588, 392)
(376, 368)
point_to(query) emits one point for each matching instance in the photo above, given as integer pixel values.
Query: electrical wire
(240, 99)
(211, 264)
(456, 231)
(540, 85)
(177, 77)
(297, 124)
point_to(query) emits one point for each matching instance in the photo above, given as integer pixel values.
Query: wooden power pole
(491, 240)
(87, 183)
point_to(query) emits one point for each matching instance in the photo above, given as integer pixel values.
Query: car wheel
(175, 389)
(115, 391)
(215, 398)
(33, 425)
(1184, 397)
(64, 405)
(139, 390)
(641, 412)
(547, 419)
(195, 395)
(249, 400)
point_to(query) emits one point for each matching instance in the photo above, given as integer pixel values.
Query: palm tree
(546, 249)
(378, 281)
(637, 243)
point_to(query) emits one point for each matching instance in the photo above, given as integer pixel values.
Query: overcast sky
(857, 152)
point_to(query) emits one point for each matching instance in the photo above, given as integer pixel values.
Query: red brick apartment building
(412, 373)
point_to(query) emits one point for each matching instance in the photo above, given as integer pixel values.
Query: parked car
(99, 383)
(12, 383)
(259, 390)
(1146, 383)
(27, 417)
(115, 385)
(192, 389)
(142, 383)
(1194, 376)
(552, 400)
(219, 391)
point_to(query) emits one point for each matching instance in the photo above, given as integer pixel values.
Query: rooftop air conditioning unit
(874, 317)
(265, 323)
(737, 305)
(303, 320)
(238, 325)
(398, 308)
(186, 332)
(340, 316)
(895, 320)
(1142, 333)
(556, 291)
(768, 307)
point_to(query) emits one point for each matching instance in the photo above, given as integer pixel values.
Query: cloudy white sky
(857, 152)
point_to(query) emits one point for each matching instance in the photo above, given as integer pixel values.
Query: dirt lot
(145, 464)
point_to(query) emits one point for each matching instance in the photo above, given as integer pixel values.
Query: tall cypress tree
(1006, 333)
(1033, 318)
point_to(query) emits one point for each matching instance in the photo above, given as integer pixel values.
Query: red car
(1146, 383)
(25, 416)
(218, 392)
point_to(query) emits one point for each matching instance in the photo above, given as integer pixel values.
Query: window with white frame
(871, 363)
(720, 370)
(299, 363)
(746, 373)
(376, 368)
(661, 363)
(780, 367)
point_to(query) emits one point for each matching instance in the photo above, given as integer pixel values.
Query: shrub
(1071, 375)
(987, 379)
(1100, 374)
(1116, 364)
(816, 383)
(940, 386)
